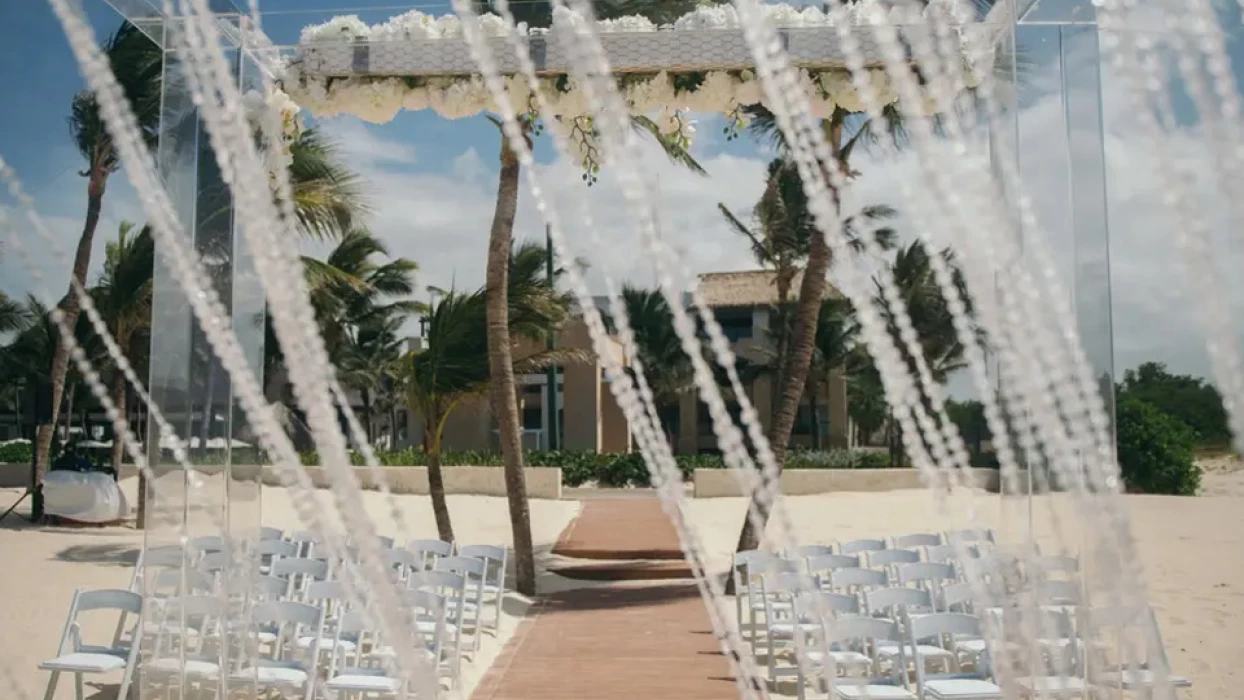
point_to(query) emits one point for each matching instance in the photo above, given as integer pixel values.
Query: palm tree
(667, 368)
(782, 238)
(930, 316)
(138, 70)
(327, 195)
(836, 337)
(500, 239)
(454, 366)
(12, 315)
(123, 297)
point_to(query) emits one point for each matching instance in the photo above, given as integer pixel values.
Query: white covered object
(89, 497)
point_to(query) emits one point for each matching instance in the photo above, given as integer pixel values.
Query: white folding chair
(1123, 650)
(403, 563)
(928, 575)
(207, 544)
(956, 597)
(969, 536)
(347, 676)
(941, 553)
(861, 546)
(855, 580)
(271, 533)
(850, 644)
(1058, 592)
(155, 558)
(918, 539)
(898, 603)
(300, 572)
(306, 540)
(822, 565)
(893, 601)
(473, 572)
(451, 587)
(270, 550)
(181, 656)
(280, 669)
(428, 610)
(953, 684)
(494, 559)
(1042, 566)
(804, 551)
(784, 630)
(744, 595)
(430, 550)
(886, 558)
(74, 656)
(331, 598)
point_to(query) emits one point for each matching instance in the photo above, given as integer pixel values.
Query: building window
(533, 418)
(736, 324)
(803, 421)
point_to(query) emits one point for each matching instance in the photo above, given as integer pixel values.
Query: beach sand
(42, 566)
(1192, 551)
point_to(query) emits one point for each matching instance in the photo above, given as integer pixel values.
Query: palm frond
(673, 151)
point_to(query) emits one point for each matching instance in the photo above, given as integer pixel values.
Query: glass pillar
(209, 505)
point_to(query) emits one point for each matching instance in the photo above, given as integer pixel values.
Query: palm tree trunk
(501, 369)
(436, 480)
(815, 413)
(118, 398)
(69, 309)
(802, 340)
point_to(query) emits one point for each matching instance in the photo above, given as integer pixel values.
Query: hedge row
(613, 470)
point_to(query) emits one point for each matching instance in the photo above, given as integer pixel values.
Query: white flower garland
(669, 97)
(258, 106)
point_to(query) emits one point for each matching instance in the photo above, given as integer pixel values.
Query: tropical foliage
(453, 367)
(1192, 400)
(1155, 450)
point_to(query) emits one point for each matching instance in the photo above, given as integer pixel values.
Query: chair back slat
(860, 546)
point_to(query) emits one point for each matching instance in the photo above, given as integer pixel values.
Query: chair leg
(51, 692)
(78, 691)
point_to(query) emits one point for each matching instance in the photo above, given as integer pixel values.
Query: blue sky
(432, 182)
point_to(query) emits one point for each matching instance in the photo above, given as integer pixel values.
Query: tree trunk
(501, 369)
(802, 341)
(118, 398)
(815, 413)
(70, 308)
(436, 480)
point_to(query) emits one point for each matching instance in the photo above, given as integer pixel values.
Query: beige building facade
(588, 418)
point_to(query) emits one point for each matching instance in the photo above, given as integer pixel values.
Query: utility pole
(550, 397)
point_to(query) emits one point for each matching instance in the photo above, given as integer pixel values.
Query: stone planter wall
(719, 483)
(542, 482)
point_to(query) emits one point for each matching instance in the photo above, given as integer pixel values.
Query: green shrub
(16, 453)
(1155, 450)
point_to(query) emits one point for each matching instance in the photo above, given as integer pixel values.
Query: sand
(42, 567)
(1192, 551)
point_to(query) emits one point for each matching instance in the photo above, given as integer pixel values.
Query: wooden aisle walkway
(625, 641)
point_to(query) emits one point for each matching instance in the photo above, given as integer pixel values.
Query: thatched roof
(748, 288)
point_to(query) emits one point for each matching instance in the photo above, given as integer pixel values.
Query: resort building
(588, 418)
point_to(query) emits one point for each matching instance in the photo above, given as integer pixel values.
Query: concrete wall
(542, 482)
(718, 483)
